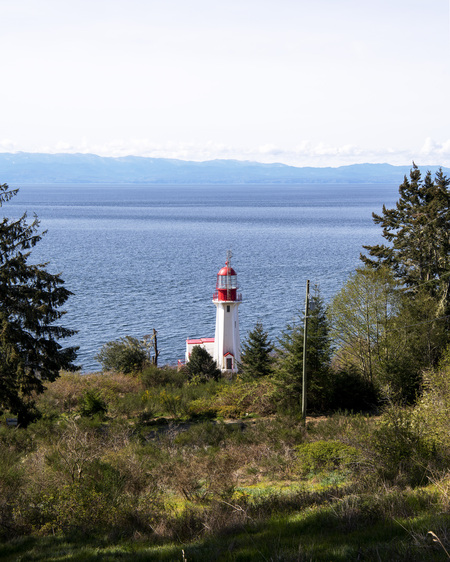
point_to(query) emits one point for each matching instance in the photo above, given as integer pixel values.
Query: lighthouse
(225, 346)
(227, 301)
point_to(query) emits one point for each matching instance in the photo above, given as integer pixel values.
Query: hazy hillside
(25, 167)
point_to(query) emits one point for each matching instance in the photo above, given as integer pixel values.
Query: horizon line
(204, 161)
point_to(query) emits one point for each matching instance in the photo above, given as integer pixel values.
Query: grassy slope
(269, 491)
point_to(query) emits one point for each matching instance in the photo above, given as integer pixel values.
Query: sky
(302, 82)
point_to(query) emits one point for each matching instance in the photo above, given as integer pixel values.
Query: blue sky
(304, 82)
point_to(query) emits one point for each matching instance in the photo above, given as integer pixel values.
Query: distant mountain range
(34, 168)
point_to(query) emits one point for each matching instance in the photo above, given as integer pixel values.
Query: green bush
(126, 355)
(402, 448)
(433, 407)
(186, 401)
(241, 398)
(76, 508)
(202, 407)
(92, 404)
(65, 394)
(153, 376)
(326, 456)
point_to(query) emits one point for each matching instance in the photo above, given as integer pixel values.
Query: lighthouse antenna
(229, 256)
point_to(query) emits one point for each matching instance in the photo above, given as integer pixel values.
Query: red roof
(227, 271)
(199, 341)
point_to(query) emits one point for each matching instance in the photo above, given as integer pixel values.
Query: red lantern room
(226, 285)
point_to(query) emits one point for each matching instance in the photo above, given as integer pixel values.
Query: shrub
(153, 376)
(326, 456)
(126, 355)
(190, 400)
(63, 394)
(93, 404)
(77, 507)
(202, 407)
(433, 407)
(66, 393)
(240, 398)
(402, 448)
(11, 481)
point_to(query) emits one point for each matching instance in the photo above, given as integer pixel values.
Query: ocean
(141, 257)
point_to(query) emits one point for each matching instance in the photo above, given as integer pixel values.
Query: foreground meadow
(151, 467)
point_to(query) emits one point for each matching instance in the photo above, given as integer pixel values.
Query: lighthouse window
(228, 308)
(229, 363)
(226, 282)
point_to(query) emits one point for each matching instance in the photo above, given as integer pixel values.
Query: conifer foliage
(418, 232)
(201, 366)
(30, 300)
(256, 359)
(318, 357)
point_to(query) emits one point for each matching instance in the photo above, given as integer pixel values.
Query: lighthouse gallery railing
(237, 299)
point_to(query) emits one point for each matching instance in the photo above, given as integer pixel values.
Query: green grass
(312, 534)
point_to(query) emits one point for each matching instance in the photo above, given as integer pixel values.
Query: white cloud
(305, 153)
(436, 150)
(8, 145)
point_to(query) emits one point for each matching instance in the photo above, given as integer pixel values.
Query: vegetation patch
(326, 456)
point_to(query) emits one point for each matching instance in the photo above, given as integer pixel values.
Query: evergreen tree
(201, 365)
(289, 374)
(417, 230)
(30, 298)
(256, 359)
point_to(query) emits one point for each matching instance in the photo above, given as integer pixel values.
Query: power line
(426, 282)
(425, 322)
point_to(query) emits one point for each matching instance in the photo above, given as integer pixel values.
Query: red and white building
(225, 346)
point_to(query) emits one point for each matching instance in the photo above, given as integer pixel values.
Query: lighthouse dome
(227, 270)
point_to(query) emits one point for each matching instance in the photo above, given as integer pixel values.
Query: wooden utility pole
(305, 337)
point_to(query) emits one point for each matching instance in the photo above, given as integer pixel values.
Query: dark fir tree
(417, 231)
(289, 373)
(201, 365)
(256, 359)
(30, 301)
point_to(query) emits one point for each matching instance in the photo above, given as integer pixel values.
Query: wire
(425, 322)
(426, 282)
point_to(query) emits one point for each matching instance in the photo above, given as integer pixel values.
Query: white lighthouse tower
(227, 301)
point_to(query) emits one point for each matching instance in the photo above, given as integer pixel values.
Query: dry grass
(65, 393)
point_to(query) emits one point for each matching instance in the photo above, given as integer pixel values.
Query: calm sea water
(144, 257)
